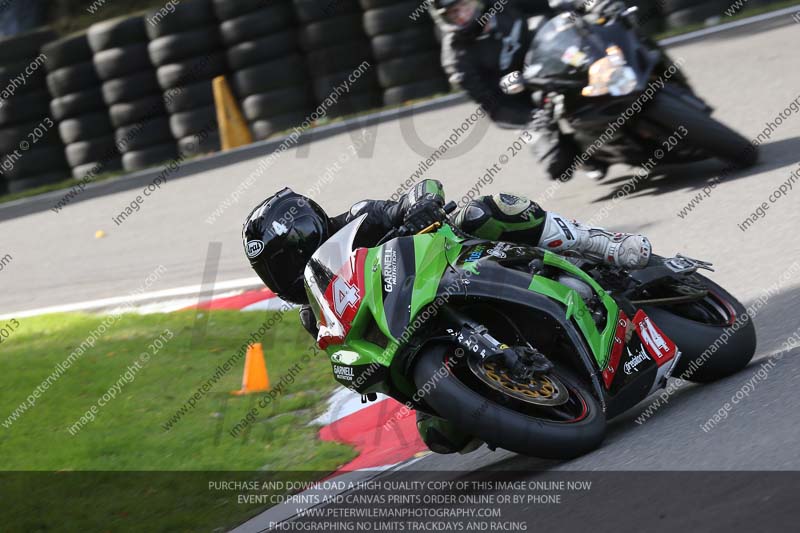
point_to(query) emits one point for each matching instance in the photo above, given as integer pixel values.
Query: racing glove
(425, 212)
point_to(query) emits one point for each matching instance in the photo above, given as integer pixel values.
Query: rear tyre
(717, 140)
(704, 332)
(500, 425)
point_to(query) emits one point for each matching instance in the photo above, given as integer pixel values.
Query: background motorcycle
(590, 69)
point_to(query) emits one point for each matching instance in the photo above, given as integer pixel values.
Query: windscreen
(557, 49)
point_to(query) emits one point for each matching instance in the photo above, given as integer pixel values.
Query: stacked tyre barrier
(340, 61)
(31, 152)
(406, 49)
(78, 107)
(269, 73)
(129, 89)
(680, 13)
(185, 45)
(649, 15)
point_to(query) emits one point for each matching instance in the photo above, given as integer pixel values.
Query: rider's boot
(566, 237)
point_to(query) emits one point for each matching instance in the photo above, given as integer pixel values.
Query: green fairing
(371, 308)
(430, 263)
(599, 342)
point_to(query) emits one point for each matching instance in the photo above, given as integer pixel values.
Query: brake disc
(540, 389)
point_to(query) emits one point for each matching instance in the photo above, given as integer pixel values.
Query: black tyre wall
(188, 53)
(406, 49)
(30, 147)
(130, 89)
(264, 56)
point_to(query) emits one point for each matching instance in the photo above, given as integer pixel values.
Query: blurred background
(110, 86)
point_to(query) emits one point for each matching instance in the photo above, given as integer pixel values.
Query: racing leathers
(498, 217)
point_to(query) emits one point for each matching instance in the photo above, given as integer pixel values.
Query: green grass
(127, 433)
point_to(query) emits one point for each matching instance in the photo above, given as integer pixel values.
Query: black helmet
(446, 14)
(280, 235)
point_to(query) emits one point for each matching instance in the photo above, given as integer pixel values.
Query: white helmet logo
(279, 229)
(254, 248)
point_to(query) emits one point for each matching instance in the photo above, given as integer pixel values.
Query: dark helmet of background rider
(471, 27)
(280, 235)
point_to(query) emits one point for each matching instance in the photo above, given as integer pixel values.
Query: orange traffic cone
(233, 129)
(255, 378)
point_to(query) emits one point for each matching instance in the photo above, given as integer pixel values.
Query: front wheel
(573, 428)
(713, 138)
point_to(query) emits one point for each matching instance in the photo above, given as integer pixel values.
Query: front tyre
(715, 139)
(501, 421)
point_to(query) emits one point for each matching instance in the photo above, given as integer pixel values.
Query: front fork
(479, 345)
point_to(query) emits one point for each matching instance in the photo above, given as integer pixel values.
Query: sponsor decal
(475, 254)
(632, 364)
(564, 228)
(499, 250)
(343, 372)
(389, 269)
(621, 337)
(345, 357)
(254, 248)
(469, 261)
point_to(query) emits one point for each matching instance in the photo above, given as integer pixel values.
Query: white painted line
(244, 283)
(729, 25)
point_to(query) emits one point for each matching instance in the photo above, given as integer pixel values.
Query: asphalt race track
(749, 75)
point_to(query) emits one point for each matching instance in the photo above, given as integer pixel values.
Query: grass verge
(127, 433)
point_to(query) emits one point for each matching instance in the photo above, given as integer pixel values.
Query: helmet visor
(283, 272)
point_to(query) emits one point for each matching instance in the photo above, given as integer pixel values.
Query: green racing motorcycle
(513, 345)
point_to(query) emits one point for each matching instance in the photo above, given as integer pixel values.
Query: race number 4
(344, 296)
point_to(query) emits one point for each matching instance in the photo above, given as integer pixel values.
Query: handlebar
(448, 208)
(403, 231)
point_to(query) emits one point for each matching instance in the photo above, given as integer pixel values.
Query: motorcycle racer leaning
(482, 42)
(281, 234)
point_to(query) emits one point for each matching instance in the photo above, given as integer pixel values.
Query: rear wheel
(714, 333)
(556, 418)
